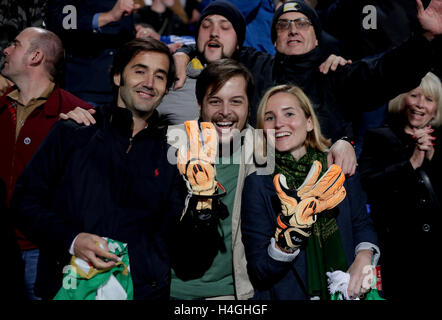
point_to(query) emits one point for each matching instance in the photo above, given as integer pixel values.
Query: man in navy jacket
(111, 180)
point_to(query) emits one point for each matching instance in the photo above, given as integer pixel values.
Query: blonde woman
(341, 239)
(400, 169)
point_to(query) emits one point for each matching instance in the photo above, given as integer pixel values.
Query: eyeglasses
(300, 24)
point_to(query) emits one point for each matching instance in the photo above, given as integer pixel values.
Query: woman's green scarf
(324, 249)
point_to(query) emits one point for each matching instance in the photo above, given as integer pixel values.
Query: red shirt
(15, 153)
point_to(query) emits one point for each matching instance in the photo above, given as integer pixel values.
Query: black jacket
(406, 214)
(166, 23)
(341, 96)
(396, 20)
(278, 280)
(97, 179)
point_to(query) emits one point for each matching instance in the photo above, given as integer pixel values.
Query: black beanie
(296, 6)
(230, 12)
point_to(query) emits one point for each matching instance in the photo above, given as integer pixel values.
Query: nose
(6, 50)
(278, 122)
(214, 31)
(225, 109)
(148, 81)
(292, 27)
(420, 101)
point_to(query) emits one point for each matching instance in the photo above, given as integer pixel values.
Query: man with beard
(89, 182)
(209, 261)
(201, 251)
(220, 33)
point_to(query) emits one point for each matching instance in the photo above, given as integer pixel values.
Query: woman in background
(400, 169)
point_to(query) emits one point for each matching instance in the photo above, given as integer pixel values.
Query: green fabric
(218, 279)
(76, 286)
(296, 171)
(373, 294)
(324, 250)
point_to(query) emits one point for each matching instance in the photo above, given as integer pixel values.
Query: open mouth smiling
(418, 113)
(281, 135)
(224, 125)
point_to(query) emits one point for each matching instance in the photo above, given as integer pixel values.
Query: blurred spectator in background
(91, 31)
(400, 169)
(16, 16)
(258, 15)
(161, 18)
(366, 28)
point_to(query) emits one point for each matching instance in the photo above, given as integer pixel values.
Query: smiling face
(284, 114)
(216, 38)
(143, 83)
(419, 108)
(294, 41)
(227, 108)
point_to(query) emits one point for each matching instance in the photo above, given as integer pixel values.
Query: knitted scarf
(324, 250)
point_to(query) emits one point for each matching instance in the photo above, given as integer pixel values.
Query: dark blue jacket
(97, 179)
(288, 280)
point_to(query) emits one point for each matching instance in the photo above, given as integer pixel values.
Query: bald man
(28, 110)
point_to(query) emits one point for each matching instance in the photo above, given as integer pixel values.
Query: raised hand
(431, 17)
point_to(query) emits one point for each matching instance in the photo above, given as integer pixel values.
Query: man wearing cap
(362, 86)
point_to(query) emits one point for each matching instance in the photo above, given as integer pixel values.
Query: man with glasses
(341, 96)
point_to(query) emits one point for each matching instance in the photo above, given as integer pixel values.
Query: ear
(117, 79)
(309, 124)
(36, 57)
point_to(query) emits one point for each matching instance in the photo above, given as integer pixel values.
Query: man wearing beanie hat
(296, 6)
(219, 33)
(227, 11)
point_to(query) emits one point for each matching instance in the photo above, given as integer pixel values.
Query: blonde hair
(431, 87)
(314, 138)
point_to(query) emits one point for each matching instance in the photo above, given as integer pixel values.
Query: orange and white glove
(300, 207)
(196, 164)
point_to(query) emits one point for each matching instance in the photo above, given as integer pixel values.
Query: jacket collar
(121, 120)
(53, 105)
(301, 65)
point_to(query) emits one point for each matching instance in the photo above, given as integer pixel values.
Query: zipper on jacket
(130, 145)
